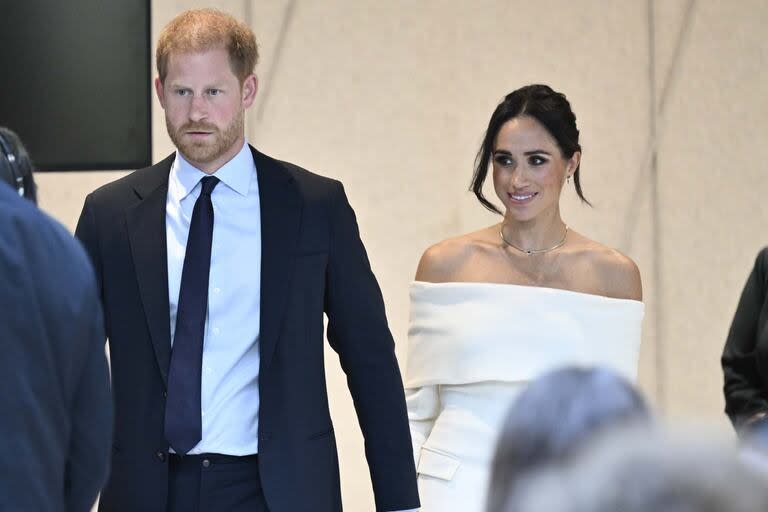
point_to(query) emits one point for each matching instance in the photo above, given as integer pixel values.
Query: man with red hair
(216, 266)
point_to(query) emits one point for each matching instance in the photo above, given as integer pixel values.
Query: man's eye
(214, 92)
(182, 92)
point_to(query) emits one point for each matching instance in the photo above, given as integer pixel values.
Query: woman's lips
(518, 198)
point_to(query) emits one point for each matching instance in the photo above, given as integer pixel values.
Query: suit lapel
(281, 207)
(146, 232)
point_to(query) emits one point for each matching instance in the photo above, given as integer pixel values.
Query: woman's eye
(503, 160)
(537, 160)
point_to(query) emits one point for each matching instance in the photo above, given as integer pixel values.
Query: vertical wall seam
(656, 238)
(670, 78)
(288, 16)
(657, 110)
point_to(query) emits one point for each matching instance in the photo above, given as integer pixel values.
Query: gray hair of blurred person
(16, 168)
(554, 416)
(632, 471)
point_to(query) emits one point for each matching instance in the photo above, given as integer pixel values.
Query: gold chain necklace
(533, 251)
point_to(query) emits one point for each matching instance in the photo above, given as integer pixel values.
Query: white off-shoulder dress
(472, 347)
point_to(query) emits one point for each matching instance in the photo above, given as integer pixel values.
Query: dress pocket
(437, 464)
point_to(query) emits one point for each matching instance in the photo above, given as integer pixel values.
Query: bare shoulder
(618, 274)
(443, 261)
(621, 276)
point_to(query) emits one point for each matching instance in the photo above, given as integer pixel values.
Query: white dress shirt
(230, 370)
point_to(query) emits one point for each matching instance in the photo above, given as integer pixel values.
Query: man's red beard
(213, 146)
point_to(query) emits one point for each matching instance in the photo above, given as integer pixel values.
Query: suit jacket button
(160, 456)
(206, 463)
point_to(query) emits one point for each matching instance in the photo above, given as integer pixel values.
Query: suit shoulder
(762, 259)
(125, 185)
(23, 218)
(306, 178)
(27, 230)
(760, 268)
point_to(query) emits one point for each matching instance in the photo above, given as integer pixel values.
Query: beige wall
(392, 98)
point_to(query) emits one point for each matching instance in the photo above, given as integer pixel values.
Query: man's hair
(200, 30)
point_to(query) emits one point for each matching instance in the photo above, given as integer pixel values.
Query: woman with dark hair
(492, 309)
(554, 417)
(15, 165)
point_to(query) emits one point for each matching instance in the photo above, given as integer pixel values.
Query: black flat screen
(75, 81)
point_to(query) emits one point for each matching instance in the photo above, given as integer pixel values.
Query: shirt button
(215, 330)
(206, 463)
(160, 456)
(216, 290)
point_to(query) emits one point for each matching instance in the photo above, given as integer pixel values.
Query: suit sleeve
(744, 388)
(358, 332)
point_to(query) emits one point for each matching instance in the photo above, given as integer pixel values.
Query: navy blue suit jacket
(313, 262)
(56, 420)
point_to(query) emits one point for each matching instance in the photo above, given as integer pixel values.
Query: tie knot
(208, 183)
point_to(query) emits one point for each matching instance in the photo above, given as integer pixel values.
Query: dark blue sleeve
(90, 444)
(358, 332)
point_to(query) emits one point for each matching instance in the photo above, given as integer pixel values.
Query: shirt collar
(236, 174)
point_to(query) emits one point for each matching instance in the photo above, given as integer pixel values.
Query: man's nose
(198, 109)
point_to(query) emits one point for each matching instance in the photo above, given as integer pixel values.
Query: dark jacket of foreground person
(56, 421)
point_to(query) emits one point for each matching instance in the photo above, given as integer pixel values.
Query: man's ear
(249, 89)
(160, 92)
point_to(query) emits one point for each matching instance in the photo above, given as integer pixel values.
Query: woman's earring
(568, 179)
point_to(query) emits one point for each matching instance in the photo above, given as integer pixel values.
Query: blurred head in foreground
(555, 416)
(638, 472)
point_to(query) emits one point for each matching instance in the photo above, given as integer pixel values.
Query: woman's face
(529, 169)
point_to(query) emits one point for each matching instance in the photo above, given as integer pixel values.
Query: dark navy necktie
(183, 423)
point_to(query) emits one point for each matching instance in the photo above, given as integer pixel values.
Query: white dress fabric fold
(472, 347)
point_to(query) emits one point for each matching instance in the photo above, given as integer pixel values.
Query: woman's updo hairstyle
(548, 107)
